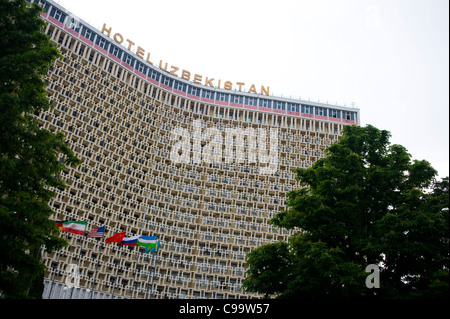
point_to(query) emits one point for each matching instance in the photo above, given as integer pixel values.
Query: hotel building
(203, 168)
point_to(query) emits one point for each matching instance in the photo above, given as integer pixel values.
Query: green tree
(366, 202)
(31, 158)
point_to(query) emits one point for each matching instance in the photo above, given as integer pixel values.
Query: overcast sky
(389, 57)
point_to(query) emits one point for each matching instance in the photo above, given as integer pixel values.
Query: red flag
(117, 238)
(59, 224)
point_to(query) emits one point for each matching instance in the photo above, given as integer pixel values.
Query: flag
(151, 243)
(97, 232)
(74, 227)
(152, 249)
(130, 241)
(117, 238)
(59, 224)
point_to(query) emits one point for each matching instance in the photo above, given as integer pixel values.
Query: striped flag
(151, 243)
(74, 227)
(59, 224)
(130, 241)
(97, 232)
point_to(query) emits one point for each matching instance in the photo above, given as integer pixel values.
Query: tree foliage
(366, 202)
(31, 158)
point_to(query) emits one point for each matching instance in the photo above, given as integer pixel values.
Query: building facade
(202, 168)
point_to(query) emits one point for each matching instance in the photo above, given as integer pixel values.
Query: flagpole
(117, 273)
(150, 275)
(78, 262)
(96, 268)
(57, 264)
(134, 279)
(153, 276)
(54, 275)
(31, 280)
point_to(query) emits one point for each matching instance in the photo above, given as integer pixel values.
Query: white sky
(390, 57)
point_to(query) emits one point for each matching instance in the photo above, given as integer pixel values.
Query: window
(349, 116)
(101, 43)
(236, 99)
(265, 103)
(222, 97)
(250, 100)
(308, 109)
(141, 67)
(153, 74)
(115, 51)
(280, 105)
(73, 24)
(180, 86)
(208, 94)
(43, 4)
(261, 120)
(321, 111)
(293, 107)
(88, 34)
(58, 15)
(193, 91)
(128, 59)
(335, 113)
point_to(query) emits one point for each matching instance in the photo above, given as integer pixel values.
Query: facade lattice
(138, 131)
